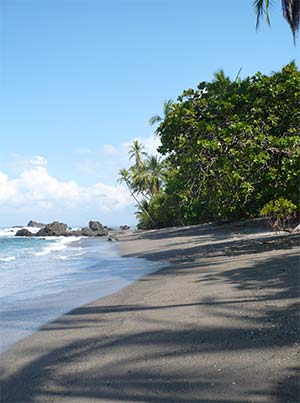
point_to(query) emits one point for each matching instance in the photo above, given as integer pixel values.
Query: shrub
(279, 213)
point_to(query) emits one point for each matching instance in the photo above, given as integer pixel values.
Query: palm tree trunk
(139, 204)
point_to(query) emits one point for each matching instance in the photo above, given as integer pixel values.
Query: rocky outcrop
(124, 227)
(98, 230)
(35, 224)
(57, 228)
(54, 229)
(24, 232)
(96, 226)
(86, 231)
(77, 232)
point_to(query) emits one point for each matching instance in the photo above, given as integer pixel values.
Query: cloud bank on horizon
(35, 193)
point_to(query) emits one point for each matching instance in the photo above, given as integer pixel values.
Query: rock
(86, 231)
(77, 232)
(24, 232)
(35, 224)
(112, 237)
(124, 227)
(96, 226)
(102, 232)
(54, 229)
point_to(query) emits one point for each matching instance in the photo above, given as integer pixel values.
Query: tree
(290, 9)
(136, 152)
(155, 171)
(233, 148)
(124, 176)
(144, 180)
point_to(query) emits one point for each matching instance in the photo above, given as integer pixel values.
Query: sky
(79, 80)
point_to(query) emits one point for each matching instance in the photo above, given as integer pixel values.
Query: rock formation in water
(24, 232)
(53, 229)
(36, 224)
(56, 228)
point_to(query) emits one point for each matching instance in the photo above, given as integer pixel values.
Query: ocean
(43, 278)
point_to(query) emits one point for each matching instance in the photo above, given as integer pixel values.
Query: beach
(219, 324)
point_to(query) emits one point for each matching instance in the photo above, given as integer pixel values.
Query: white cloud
(151, 144)
(8, 189)
(38, 160)
(36, 188)
(30, 190)
(21, 162)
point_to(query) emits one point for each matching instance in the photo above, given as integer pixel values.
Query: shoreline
(217, 325)
(97, 272)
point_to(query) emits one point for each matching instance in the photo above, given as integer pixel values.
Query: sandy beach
(220, 324)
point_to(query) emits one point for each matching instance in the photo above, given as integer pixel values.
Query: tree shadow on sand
(161, 362)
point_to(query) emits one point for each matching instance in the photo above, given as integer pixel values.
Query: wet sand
(219, 325)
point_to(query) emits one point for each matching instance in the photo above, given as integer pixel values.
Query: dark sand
(220, 325)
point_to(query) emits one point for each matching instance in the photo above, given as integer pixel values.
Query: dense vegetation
(229, 148)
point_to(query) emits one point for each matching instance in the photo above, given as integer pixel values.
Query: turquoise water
(44, 278)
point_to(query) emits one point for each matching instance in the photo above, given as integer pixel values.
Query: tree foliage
(145, 180)
(231, 147)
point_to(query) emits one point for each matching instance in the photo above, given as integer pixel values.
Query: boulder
(124, 227)
(24, 232)
(95, 226)
(54, 229)
(102, 232)
(76, 232)
(86, 231)
(35, 224)
(89, 232)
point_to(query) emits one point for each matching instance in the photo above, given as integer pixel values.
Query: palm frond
(291, 12)
(261, 9)
(154, 119)
(168, 106)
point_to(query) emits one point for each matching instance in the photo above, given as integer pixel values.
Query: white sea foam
(60, 244)
(71, 256)
(7, 259)
(8, 231)
(13, 230)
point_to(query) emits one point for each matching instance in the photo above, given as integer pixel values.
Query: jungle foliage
(230, 148)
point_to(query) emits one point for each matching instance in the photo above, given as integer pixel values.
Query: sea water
(43, 278)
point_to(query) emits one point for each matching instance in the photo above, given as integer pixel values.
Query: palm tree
(290, 9)
(142, 207)
(140, 182)
(221, 81)
(136, 152)
(125, 176)
(167, 109)
(221, 78)
(155, 169)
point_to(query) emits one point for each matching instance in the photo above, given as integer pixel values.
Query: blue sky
(80, 79)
